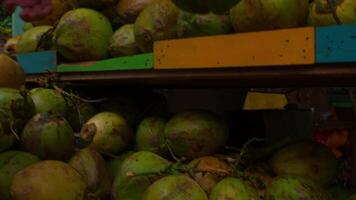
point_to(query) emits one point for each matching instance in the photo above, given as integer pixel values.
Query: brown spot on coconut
(123, 42)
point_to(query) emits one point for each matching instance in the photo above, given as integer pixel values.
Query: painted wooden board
(143, 61)
(38, 62)
(336, 44)
(267, 48)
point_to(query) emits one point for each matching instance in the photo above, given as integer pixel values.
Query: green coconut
(12, 75)
(12, 162)
(258, 15)
(176, 187)
(49, 101)
(91, 165)
(234, 189)
(107, 132)
(123, 105)
(129, 10)
(321, 14)
(17, 106)
(295, 188)
(79, 113)
(30, 40)
(308, 159)
(208, 171)
(90, 38)
(137, 173)
(114, 165)
(48, 137)
(48, 180)
(7, 136)
(193, 134)
(123, 42)
(205, 6)
(339, 192)
(193, 25)
(146, 28)
(150, 136)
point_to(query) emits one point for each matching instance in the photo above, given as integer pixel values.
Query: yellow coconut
(11, 73)
(60, 7)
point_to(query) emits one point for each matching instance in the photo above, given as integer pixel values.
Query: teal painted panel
(38, 62)
(336, 44)
(17, 23)
(137, 62)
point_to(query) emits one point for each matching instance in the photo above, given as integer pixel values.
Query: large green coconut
(308, 159)
(206, 6)
(114, 165)
(177, 187)
(123, 42)
(129, 10)
(321, 14)
(91, 165)
(258, 15)
(150, 136)
(339, 192)
(49, 101)
(107, 132)
(17, 106)
(48, 137)
(48, 180)
(82, 35)
(295, 188)
(192, 25)
(208, 171)
(79, 113)
(158, 21)
(30, 40)
(12, 162)
(234, 189)
(193, 134)
(137, 173)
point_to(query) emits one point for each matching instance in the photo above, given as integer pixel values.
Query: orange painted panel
(280, 47)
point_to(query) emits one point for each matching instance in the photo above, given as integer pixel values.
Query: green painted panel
(137, 62)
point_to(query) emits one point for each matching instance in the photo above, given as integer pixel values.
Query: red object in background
(334, 139)
(32, 10)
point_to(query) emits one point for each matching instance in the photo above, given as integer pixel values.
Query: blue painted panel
(38, 62)
(336, 44)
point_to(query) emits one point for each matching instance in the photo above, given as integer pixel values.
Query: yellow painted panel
(280, 47)
(263, 101)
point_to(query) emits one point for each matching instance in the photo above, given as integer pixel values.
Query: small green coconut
(137, 173)
(107, 132)
(123, 42)
(234, 189)
(177, 187)
(48, 137)
(83, 35)
(30, 40)
(158, 21)
(114, 165)
(49, 101)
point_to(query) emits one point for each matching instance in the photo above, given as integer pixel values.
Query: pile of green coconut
(86, 30)
(56, 144)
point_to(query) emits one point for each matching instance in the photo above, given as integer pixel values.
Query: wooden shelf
(326, 75)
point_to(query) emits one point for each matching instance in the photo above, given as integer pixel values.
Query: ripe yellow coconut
(11, 73)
